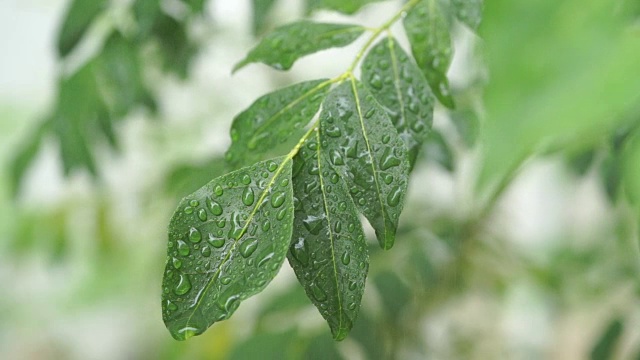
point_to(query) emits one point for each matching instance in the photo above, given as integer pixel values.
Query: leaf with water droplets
(469, 12)
(345, 7)
(369, 155)
(286, 44)
(398, 84)
(216, 260)
(273, 121)
(427, 27)
(328, 250)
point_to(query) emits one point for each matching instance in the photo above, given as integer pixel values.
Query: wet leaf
(328, 250)
(364, 147)
(427, 27)
(468, 12)
(286, 44)
(226, 242)
(273, 121)
(77, 20)
(399, 86)
(345, 7)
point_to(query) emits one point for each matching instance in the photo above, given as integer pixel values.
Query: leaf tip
(239, 66)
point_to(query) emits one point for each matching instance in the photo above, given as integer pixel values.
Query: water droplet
(246, 179)
(176, 263)
(369, 113)
(216, 242)
(214, 207)
(206, 251)
(346, 258)
(266, 225)
(351, 227)
(342, 206)
(336, 158)
(221, 223)
(184, 285)
(376, 82)
(313, 224)
(225, 280)
(333, 131)
(183, 248)
(318, 293)
(278, 199)
(352, 306)
(284, 182)
(388, 160)
(265, 259)
(281, 214)
(386, 138)
(194, 203)
(188, 210)
(388, 179)
(300, 252)
(338, 226)
(171, 306)
(218, 190)
(194, 235)
(272, 166)
(394, 196)
(248, 247)
(202, 215)
(353, 285)
(247, 196)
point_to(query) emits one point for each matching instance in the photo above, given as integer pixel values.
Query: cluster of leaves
(228, 239)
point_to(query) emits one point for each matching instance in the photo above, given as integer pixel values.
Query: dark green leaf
(274, 120)
(605, 347)
(226, 242)
(261, 10)
(437, 149)
(146, 14)
(611, 176)
(345, 7)
(581, 162)
(176, 48)
(427, 27)
(365, 149)
(78, 18)
(402, 90)
(328, 250)
(468, 12)
(286, 44)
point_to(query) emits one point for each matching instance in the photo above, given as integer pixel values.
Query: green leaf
(176, 47)
(226, 242)
(345, 7)
(78, 18)
(261, 10)
(273, 121)
(427, 27)
(395, 295)
(146, 14)
(286, 44)
(328, 250)
(438, 150)
(468, 12)
(266, 346)
(604, 349)
(365, 149)
(402, 90)
(26, 154)
(631, 168)
(322, 347)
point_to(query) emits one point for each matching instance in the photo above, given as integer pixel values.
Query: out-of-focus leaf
(292, 299)
(570, 80)
(196, 6)
(366, 150)
(146, 14)
(273, 121)
(370, 337)
(322, 347)
(267, 346)
(468, 12)
(78, 18)
(437, 149)
(261, 10)
(176, 48)
(631, 170)
(25, 155)
(345, 7)
(427, 27)
(328, 249)
(605, 347)
(610, 172)
(394, 293)
(581, 161)
(185, 179)
(226, 242)
(402, 90)
(286, 44)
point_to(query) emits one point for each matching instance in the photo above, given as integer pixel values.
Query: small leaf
(328, 250)
(78, 18)
(605, 347)
(400, 87)
(345, 7)
(469, 12)
(274, 120)
(26, 154)
(261, 10)
(365, 149)
(438, 150)
(286, 44)
(226, 242)
(427, 27)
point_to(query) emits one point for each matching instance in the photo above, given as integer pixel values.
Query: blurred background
(519, 239)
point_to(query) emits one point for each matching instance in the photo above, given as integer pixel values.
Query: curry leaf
(400, 87)
(427, 27)
(227, 241)
(286, 44)
(272, 121)
(365, 149)
(79, 17)
(328, 251)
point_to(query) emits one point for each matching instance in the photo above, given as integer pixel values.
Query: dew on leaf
(214, 207)
(183, 248)
(194, 235)
(216, 242)
(184, 285)
(248, 247)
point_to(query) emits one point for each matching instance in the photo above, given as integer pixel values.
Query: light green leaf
(364, 147)
(631, 168)
(427, 27)
(328, 250)
(226, 242)
(345, 7)
(468, 12)
(261, 10)
(78, 18)
(402, 90)
(272, 122)
(25, 154)
(286, 44)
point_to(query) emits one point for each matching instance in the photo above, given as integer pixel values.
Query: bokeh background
(496, 257)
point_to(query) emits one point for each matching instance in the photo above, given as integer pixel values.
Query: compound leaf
(328, 251)
(402, 90)
(345, 7)
(427, 27)
(79, 16)
(469, 12)
(227, 241)
(267, 125)
(365, 149)
(286, 44)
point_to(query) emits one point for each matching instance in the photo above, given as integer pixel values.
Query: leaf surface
(226, 242)
(328, 250)
(427, 27)
(400, 87)
(364, 147)
(273, 121)
(79, 16)
(286, 44)
(469, 12)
